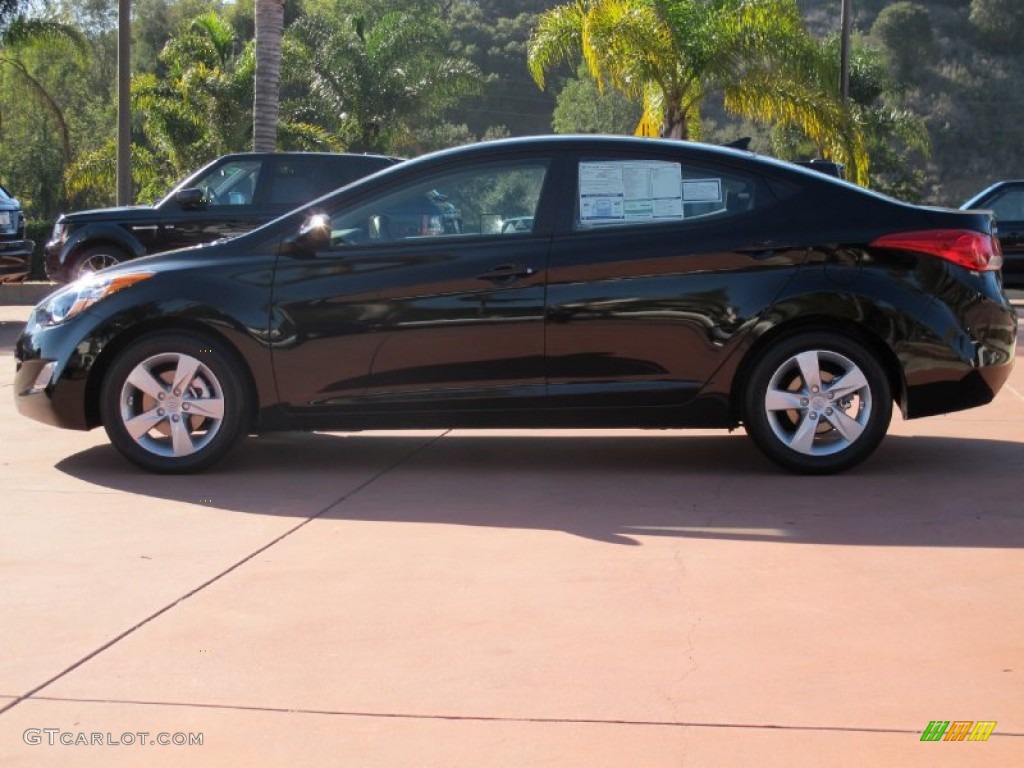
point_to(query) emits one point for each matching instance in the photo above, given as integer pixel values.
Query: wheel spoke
(138, 426)
(186, 371)
(803, 439)
(180, 438)
(783, 400)
(210, 407)
(849, 428)
(850, 382)
(810, 370)
(143, 380)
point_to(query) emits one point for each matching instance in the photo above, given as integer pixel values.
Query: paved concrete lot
(511, 599)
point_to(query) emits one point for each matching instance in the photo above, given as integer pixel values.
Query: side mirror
(190, 199)
(314, 235)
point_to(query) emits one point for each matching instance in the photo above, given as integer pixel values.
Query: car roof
(254, 155)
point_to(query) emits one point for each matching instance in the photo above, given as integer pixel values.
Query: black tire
(191, 426)
(817, 403)
(94, 259)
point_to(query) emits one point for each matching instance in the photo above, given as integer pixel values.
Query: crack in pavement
(213, 580)
(502, 719)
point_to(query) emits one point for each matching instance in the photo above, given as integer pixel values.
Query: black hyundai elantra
(644, 283)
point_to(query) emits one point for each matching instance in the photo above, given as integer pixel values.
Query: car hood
(10, 205)
(128, 213)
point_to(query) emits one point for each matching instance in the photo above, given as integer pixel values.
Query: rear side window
(1009, 206)
(613, 192)
(346, 169)
(298, 180)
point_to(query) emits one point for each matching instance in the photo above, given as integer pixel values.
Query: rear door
(661, 266)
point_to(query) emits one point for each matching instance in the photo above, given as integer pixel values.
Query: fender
(105, 232)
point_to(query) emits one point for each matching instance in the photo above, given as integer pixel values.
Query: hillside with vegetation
(959, 65)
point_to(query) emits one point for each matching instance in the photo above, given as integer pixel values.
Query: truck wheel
(96, 258)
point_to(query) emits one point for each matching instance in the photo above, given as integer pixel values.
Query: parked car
(231, 195)
(15, 250)
(1006, 200)
(657, 284)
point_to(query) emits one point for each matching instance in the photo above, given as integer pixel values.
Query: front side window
(498, 199)
(612, 192)
(233, 183)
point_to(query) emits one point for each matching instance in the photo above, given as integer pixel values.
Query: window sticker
(623, 191)
(702, 191)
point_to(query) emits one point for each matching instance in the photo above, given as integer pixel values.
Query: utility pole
(124, 116)
(844, 49)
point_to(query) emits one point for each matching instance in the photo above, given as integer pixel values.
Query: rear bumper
(971, 364)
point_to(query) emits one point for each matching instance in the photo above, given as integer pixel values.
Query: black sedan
(645, 283)
(1006, 200)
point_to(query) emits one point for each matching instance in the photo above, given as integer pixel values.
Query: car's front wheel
(817, 403)
(174, 403)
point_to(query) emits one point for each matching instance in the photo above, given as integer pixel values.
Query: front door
(427, 301)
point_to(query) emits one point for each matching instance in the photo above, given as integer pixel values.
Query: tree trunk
(675, 124)
(269, 28)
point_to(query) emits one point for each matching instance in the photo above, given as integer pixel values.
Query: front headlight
(82, 294)
(60, 230)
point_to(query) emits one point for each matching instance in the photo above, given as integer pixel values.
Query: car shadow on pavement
(915, 491)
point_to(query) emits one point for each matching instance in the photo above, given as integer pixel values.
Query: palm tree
(191, 115)
(673, 54)
(373, 85)
(266, 101)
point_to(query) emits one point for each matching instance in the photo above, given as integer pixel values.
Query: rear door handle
(506, 273)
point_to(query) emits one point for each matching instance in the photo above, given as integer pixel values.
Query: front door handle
(506, 273)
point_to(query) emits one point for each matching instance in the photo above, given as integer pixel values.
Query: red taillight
(974, 250)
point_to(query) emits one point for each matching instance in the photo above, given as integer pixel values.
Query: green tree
(672, 54)
(20, 34)
(905, 29)
(373, 85)
(896, 138)
(493, 34)
(1000, 22)
(583, 107)
(186, 117)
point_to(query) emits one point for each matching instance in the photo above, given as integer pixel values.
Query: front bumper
(51, 375)
(15, 259)
(52, 260)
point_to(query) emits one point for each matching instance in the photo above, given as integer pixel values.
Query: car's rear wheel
(174, 403)
(96, 258)
(817, 403)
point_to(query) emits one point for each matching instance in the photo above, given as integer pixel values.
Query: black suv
(228, 197)
(15, 250)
